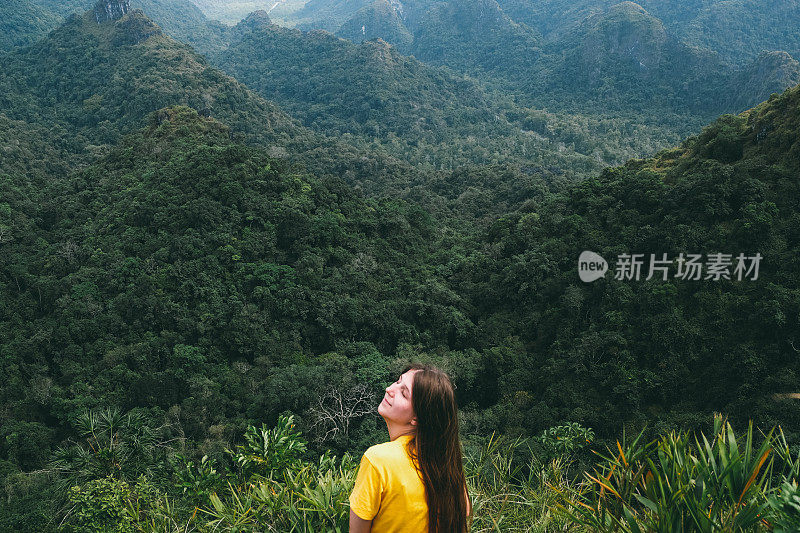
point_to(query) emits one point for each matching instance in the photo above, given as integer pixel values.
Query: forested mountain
(740, 30)
(231, 12)
(26, 21)
(617, 65)
(248, 248)
(86, 84)
(623, 58)
(67, 99)
(651, 350)
(327, 14)
(425, 115)
(474, 36)
(434, 117)
(737, 30)
(625, 50)
(611, 57)
(554, 18)
(467, 36)
(766, 75)
(98, 81)
(184, 22)
(378, 20)
(589, 77)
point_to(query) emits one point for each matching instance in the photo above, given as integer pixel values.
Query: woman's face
(396, 404)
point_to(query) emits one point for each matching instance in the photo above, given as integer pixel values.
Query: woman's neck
(397, 431)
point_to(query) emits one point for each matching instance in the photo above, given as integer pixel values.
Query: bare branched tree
(69, 250)
(338, 408)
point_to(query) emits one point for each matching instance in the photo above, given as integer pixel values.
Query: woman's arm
(359, 525)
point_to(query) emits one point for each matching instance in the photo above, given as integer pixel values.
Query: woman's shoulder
(388, 451)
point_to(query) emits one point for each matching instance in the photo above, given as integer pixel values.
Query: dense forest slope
(22, 23)
(627, 53)
(181, 240)
(378, 20)
(101, 79)
(616, 64)
(88, 83)
(186, 272)
(510, 305)
(433, 116)
(737, 30)
(473, 36)
(327, 14)
(655, 350)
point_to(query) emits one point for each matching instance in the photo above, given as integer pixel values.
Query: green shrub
(679, 484)
(269, 450)
(304, 497)
(784, 507)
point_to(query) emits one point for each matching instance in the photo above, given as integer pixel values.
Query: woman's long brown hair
(436, 449)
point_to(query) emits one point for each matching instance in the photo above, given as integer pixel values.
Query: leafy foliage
(269, 450)
(197, 479)
(785, 507)
(566, 440)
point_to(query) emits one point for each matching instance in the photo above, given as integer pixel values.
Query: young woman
(415, 482)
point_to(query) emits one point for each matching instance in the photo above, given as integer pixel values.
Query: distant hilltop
(105, 10)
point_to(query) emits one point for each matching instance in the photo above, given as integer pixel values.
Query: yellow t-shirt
(389, 490)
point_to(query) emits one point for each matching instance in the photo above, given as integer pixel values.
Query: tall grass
(677, 483)
(681, 483)
(512, 496)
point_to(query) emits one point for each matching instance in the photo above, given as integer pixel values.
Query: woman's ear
(414, 421)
